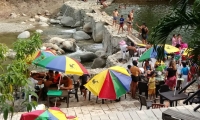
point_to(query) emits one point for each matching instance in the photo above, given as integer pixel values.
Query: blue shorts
(114, 18)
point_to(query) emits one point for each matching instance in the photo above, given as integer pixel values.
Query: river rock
(87, 27)
(13, 15)
(10, 54)
(51, 45)
(43, 24)
(80, 35)
(77, 24)
(39, 31)
(59, 17)
(100, 53)
(32, 20)
(98, 63)
(43, 19)
(69, 45)
(25, 34)
(53, 21)
(88, 57)
(56, 40)
(67, 21)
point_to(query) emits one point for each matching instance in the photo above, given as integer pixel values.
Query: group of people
(129, 20)
(172, 74)
(55, 79)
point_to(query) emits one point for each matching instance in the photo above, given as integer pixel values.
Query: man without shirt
(115, 15)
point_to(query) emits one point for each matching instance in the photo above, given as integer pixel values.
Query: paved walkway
(90, 110)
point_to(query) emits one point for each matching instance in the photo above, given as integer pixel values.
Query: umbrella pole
(58, 89)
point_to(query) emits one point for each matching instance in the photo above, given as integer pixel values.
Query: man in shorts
(121, 24)
(115, 15)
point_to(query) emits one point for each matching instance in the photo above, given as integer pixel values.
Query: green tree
(182, 17)
(16, 76)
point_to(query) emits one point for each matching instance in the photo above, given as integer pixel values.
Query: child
(121, 23)
(152, 86)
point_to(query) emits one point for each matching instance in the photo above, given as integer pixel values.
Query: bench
(170, 114)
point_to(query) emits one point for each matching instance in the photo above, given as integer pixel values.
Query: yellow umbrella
(170, 48)
(187, 51)
(143, 45)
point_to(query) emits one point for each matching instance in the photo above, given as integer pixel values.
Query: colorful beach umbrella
(62, 64)
(111, 83)
(53, 113)
(39, 55)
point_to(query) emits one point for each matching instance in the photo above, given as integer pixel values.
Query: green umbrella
(150, 53)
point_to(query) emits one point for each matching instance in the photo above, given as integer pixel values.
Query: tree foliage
(181, 17)
(16, 76)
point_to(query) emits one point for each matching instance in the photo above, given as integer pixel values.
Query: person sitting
(56, 80)
(35, 81)
(84, 80)
(67, 82)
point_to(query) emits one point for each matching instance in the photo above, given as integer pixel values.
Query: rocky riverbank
(86, 20)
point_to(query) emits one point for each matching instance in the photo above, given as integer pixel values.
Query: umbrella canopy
(170, 48)
(62, 64)
(41, 54)
(110, 84)
(151, 52)
(187, 51)
(53, 113)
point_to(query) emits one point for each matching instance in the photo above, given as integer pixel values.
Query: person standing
(115, 15)
(144, 31)
(152, 86)
(135, 71)
(131, 15)
(184, 71)
(121, 24)
(123, 47)
(170, 75)
(174, 41)
(179, 39)
(129, 24)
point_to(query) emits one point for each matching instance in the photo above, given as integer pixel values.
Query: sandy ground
(30, 8)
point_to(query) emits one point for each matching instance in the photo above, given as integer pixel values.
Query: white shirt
(123, 48)
(33, 82)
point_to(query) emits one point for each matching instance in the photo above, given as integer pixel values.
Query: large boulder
(23, 35)
(69, 45)
(67, 21)
(97, 33)
(80, 35)
(87, 27)
(100, 53)
(98, 63)
(88, 57)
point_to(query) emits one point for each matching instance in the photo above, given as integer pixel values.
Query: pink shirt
(179, 40)
(173, 41)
